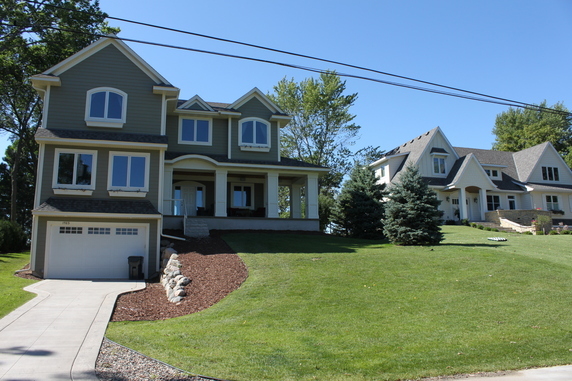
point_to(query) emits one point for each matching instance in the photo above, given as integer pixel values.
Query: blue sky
(515, 49)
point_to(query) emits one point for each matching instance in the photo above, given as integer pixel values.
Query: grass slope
(12, 295)
(328, 308)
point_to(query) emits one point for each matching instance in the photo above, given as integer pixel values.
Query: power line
(512, 102)
(473, 95)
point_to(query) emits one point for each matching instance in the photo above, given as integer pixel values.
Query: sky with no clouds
(514, 49)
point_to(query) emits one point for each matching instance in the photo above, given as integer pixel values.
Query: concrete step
(493, 225)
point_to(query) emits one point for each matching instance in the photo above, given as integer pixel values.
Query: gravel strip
(118, 363)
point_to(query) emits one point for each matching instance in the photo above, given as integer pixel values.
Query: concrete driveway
(57, 335)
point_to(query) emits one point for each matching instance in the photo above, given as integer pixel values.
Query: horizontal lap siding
(255, 108)
(219, 138)
(42, 237)
(106, 68)
(101, 177)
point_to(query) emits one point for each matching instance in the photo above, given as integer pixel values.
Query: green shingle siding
(106, 68)
(219, 137)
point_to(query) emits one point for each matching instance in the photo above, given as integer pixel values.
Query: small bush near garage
(12, 237)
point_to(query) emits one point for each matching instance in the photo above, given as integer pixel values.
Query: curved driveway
(57, 335)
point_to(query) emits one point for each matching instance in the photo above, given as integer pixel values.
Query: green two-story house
(122, 160)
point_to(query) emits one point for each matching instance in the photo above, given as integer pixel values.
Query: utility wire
(512, 102)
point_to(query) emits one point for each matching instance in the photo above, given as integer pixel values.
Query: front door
(192, 195)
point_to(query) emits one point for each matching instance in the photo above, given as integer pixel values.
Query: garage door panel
(94, 251)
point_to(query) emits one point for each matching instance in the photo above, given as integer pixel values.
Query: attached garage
(93, 250)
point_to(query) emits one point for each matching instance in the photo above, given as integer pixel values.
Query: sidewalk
(57, 335)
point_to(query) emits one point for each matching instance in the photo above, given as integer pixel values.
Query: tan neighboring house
(471, 182)
(122, 158)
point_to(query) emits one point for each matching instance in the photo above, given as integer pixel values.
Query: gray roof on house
(490, 157)
(284, 161)
(54, 204)
(101, 135)
(414, 148)
(527, 158)
(551, 187)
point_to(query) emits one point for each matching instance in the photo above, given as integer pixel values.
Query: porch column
(295, 201)
(463, 201)
(483, 197)
(312, 196)
(220, 192)
(272, 195)
(167, 191)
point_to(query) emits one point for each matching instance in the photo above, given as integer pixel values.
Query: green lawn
(11, 293)
(328, 308)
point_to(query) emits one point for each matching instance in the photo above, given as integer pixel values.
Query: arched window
(254, 133)
(106, 107)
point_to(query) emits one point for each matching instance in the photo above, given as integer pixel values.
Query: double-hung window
(195, 131)
(254, 134)
(74, 170)
(242, 196)
(493, 202)
(550, 174)
(439, 165)
(106, 107)
(552, 202)
(128, 172)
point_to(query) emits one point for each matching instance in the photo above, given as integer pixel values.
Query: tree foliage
(359, 208)
(322, 130)
(517, 129)
(35, 36)
(412, 216)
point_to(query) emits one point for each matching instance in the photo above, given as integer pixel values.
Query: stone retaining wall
(521, 217)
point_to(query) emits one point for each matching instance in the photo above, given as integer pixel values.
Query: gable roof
(256, 93)
(98, 46)
(527, 159)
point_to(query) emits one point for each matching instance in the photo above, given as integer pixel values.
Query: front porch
(243, 223)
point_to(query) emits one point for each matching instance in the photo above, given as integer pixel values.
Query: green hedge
(12, 238)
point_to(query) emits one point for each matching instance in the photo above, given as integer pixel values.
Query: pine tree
(359, 207)
(412, 216)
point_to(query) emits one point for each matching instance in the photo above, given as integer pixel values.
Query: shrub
(527, 233)
(553, 232)
(494, 230)
(473, 225)
(481, 227)
(450, 222)
(566, 232)
(540, 232)
(488, 229)
(465, 222)
(12, 237)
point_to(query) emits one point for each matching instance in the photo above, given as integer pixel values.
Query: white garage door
(93, 250)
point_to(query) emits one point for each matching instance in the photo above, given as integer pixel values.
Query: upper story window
(74, 170)
(254, 134)
(550, 174)
(494, 173)
(105, 107)
(195, 131)
(439, 165)
(128, 172)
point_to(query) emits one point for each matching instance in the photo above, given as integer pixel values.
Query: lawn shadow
(291, 242)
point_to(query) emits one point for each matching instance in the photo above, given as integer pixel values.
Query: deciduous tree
(517, 129)
(35, 35)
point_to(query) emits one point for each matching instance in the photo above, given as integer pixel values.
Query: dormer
(439, 161)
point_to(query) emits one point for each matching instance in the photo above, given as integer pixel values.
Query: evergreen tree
(412, 216)
(359, 208)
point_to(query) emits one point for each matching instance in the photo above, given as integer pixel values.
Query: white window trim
(559, 202)
(180, 137)
(128, 191)
(105, 122)
(509, 199)
(254, 146)
(439, 156)
(551, 169)
(491, 171)
(73, 189)
(251, 185)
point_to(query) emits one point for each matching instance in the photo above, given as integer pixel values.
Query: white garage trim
(94, 250)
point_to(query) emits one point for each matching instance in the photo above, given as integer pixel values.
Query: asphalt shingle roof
(55, 204)
(101, 135)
